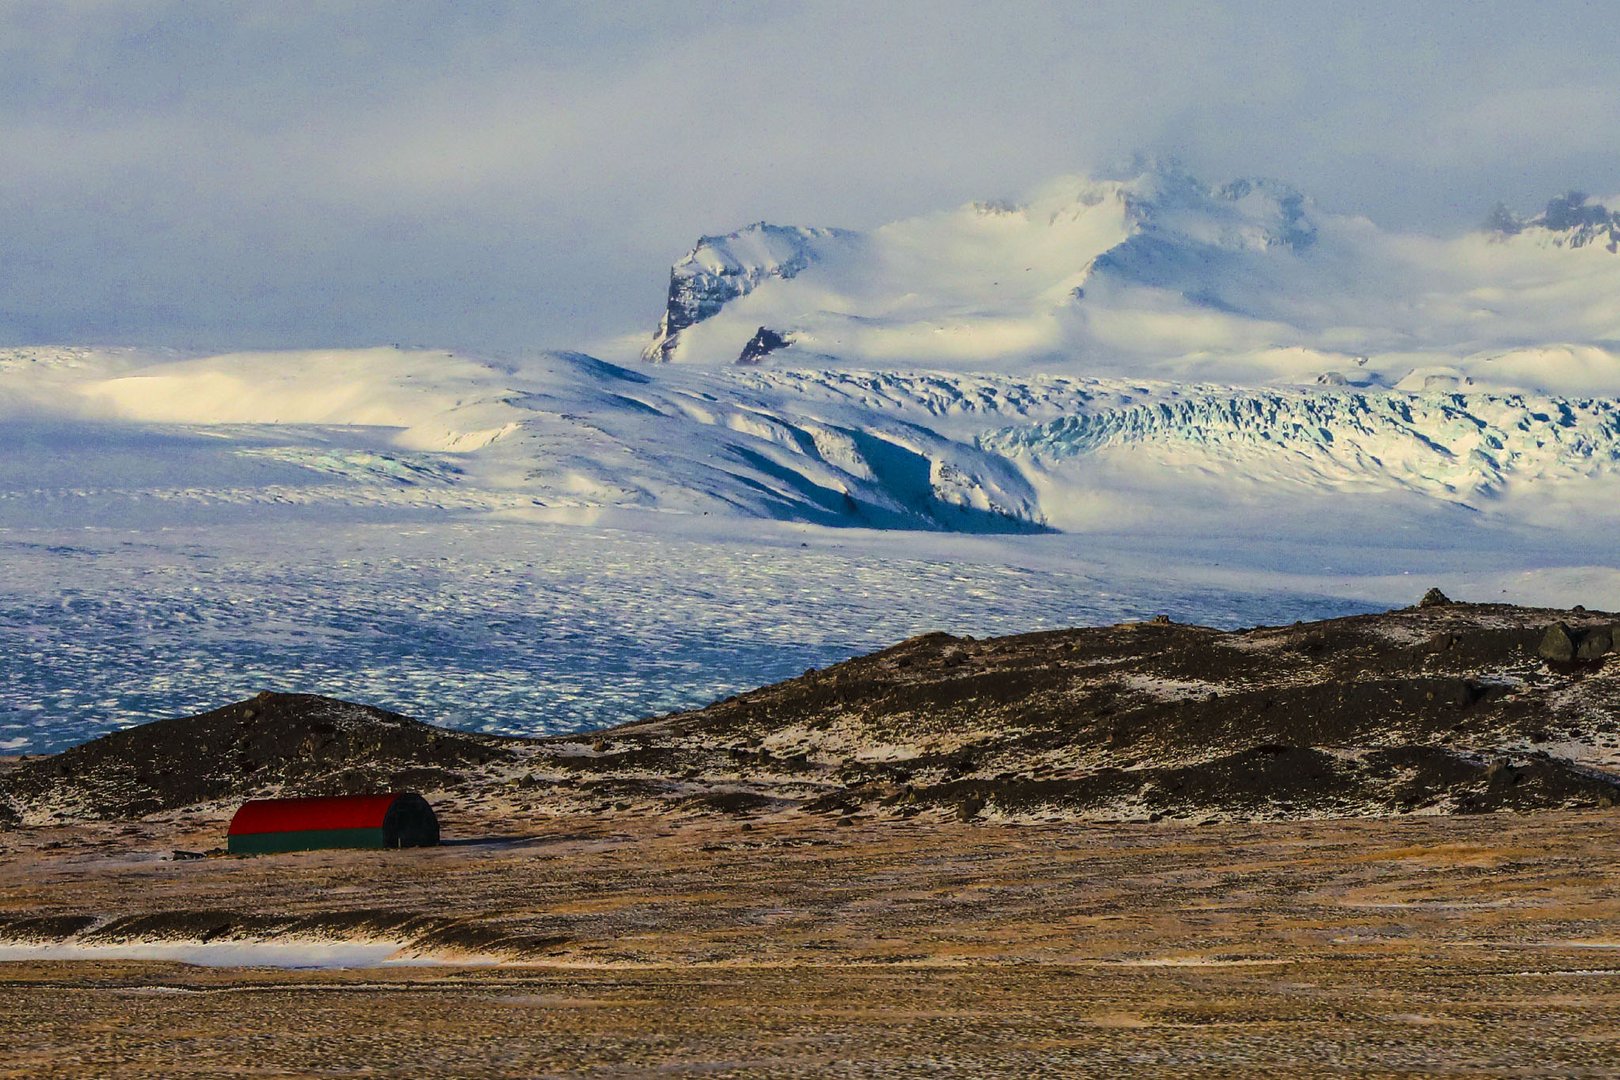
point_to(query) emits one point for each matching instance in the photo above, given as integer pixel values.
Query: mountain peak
(1571, 220)
(1163, 195)
(1131, 223)
(1249, 213)
(720, 269)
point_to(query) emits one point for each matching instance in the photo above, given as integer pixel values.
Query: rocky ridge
(271, 743)
(1571, 220)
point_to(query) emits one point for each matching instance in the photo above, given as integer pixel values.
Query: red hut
(400, 820)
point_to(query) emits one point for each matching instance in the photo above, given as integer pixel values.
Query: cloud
(505, 175)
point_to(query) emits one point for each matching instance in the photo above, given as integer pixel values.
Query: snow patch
(276, 954)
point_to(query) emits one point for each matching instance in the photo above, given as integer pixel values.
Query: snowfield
(1118, 398)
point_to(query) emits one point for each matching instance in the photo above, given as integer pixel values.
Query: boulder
(1557, 644)
(1595, 643)
(1434, 598)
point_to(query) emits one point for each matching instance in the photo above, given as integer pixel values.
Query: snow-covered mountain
(1120, 396)
(1572, 220)
(721, 269)
(1160, 275)
(997, 368)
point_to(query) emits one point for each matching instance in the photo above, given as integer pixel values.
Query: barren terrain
(1369, 846)
(701, 945)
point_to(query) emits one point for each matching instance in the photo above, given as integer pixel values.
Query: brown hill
(1442, 708)
(293, 743)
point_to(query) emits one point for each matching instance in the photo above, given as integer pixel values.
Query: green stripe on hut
(265, 826)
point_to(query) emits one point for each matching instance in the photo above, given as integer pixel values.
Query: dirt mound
(294, 744)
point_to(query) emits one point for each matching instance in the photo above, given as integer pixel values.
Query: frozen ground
(221, 954)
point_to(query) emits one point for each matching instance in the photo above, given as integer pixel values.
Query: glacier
(1119, 397)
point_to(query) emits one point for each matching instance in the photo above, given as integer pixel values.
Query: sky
(500, 177)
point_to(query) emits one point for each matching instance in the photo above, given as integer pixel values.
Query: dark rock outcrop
(1595, 643)
(719, 269)
(1570, 220)
(1561, 645)
(764, 342)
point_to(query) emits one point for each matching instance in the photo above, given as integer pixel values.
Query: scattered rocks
(1562, 645)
